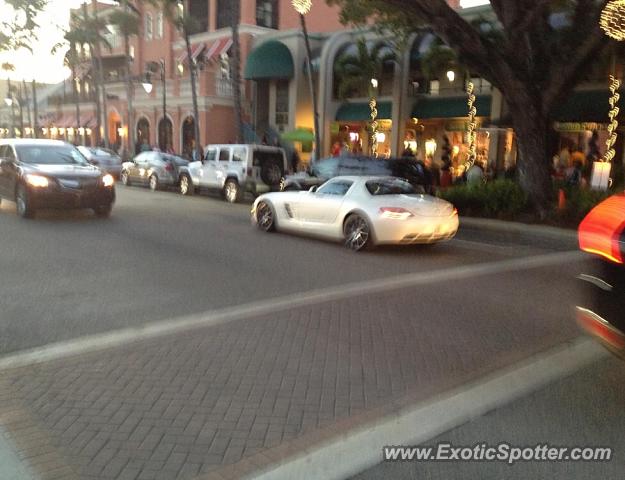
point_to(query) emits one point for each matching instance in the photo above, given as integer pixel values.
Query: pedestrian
(475, 174)
(408, 153)
(295, 161)
(574, 174)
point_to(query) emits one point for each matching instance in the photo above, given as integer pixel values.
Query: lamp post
(148, 86)
(373, 106)
(303, 7)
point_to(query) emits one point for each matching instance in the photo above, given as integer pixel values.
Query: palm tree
(88, 30)
(127, 22)
(186, 26)
(235, 68)
(72, 60)
(355, 71)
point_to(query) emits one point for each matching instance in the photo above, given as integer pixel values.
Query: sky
(41, 65)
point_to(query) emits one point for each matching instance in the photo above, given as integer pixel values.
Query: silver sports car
(361, 211)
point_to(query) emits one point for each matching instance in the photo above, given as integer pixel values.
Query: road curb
(338, 453)
(520, 230)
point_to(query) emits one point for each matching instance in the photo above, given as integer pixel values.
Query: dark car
(42, 174)
(153, 169)
(409, 169)
(103, 158)
(601, 312)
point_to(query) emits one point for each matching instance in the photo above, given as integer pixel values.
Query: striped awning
(217, 48)
(196, 50)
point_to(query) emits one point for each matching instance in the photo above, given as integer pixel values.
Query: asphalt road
(161, 256)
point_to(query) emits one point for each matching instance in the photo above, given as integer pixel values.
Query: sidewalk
(190, 404)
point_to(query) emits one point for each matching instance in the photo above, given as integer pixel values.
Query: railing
(223, 88)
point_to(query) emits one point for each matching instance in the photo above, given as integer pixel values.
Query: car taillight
(396, 213)
(601, 231)
(600, 328)
(169, 167)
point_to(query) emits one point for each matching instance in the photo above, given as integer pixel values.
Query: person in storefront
(408, 153)
(475, 173)
(577, 156)
(574, 176)
(336, 149)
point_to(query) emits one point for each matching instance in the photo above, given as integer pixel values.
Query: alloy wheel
(357, 233)
(232, 192)
(124, 178)
(264, 217)
(184, 185)
(153, 183)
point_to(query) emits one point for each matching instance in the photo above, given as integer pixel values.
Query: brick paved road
(180, 406)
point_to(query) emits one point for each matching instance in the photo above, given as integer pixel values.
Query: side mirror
(313, 189)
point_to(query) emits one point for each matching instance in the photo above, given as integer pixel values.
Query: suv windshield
(50, 155)
(391, 186)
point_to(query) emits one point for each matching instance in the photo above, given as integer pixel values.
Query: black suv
(39, 174)
(409, 169)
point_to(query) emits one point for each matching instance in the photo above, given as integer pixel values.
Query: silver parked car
(236, 169)
(106, 160)
(154, 169)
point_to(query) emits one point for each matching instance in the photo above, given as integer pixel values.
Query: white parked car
(234, 170)
(361, 211)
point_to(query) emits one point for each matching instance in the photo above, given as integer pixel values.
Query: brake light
(396, 213)
(600, 328)
(600, 232)
(169, 167)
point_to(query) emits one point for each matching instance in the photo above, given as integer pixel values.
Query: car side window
(224, 154)
(211, 155)
(239, 154)
(338, 188)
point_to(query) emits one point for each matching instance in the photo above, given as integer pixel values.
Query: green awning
(360, 111)
(585, 106)
(269, 60)
(450, 107)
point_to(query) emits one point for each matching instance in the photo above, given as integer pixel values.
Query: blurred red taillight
(600, 232)
(600, 328)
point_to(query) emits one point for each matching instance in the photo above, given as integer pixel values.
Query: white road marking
(360, 448)
(116, 338)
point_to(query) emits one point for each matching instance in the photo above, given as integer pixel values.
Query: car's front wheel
(23, 203)
(357, 233)
(265, 217)
(232, 191)
(186, 185)
(153, 181)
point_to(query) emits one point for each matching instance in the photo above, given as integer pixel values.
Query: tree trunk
(98, 54)
(236, 70)
(96, 84)
(532, 131)
(192, 73)
(129, 97)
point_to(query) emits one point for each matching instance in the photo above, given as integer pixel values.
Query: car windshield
(391, 186)
(50, 155)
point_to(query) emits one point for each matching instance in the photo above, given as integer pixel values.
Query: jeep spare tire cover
(271, 172)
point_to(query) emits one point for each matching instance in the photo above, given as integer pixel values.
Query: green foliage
(580, 201)
(126, 21)
(497, 199)
(354, 72)
(17, 30)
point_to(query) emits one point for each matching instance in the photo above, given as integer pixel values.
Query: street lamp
(153, 67)
(303, 7)
(451, 76)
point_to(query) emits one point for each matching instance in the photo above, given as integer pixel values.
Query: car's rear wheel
(232, 191)
(357, 233)
(153, 182)
(125, 178)
(23, 203)
(186, 185)
(103, 211)
(265, 217)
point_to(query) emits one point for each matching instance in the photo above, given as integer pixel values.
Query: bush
(580, 201)
(502, 199)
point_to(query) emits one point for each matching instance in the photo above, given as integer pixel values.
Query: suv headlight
(38, 181)
(108, 180)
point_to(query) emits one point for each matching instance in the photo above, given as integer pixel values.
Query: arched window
(149, 33)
